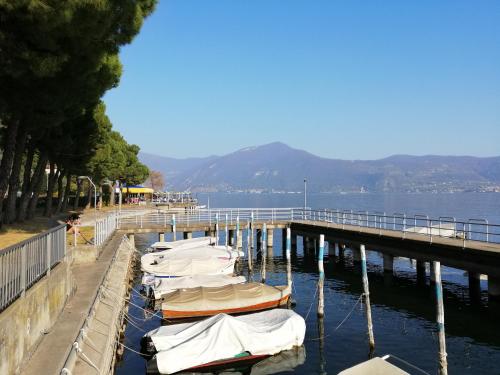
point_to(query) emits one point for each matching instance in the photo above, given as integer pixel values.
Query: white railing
(23, 264)
(448, 227)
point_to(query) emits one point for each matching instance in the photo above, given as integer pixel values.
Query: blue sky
(344, 79)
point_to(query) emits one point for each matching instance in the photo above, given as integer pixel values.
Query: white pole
(366, 290)
(264, 252)
(288, 257)
(321, 281)
(217, 229)
(249, 248)
(443, 364)
(227, 233)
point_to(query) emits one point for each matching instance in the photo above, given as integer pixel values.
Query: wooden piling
(289, 257)
(249, 246)
(321, 281)
(443, 365)
(264, 252)
(366, 291)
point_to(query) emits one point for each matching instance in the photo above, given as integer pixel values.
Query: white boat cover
(164, 286)
(191, 242)
(182, 346)
(187, 267)
(233, 296)
(154, 262)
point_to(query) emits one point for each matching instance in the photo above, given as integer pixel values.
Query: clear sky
(339, 78)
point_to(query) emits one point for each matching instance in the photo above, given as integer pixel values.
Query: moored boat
(166, 286)
(229, 299)
(224, 339)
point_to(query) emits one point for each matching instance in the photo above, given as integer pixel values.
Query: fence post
(49, 250)
(24, 270)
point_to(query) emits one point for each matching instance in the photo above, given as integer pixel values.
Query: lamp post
(95, 194)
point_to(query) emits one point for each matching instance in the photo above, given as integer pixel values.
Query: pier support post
(188, 235)
(494, 288)
(226, 229)
(356, 254)
(239, 238)
(432, 273)
(270, 237)
(161, 237)
(366, 292)
(131, 238)
(283, 240)
(474, 286)
(294, 241)
(174, 228)
(231, 237)
(264, 253)
(258, 234)
(420, 272)
(217, 229)
(388, 263)
(337, 249)
(321, 281)
(443, 365)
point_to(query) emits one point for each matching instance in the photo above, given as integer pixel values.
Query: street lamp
(305, 193)
(95, 194)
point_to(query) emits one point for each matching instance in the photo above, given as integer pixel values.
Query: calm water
(403, 314)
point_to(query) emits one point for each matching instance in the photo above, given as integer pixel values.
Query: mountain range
(280, 168)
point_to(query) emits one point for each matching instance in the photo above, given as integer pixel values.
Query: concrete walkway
(52, 351)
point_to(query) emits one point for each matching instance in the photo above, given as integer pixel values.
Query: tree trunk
(29, 185)
(60, 192)
(14, 182)
(50, 190)
(27, 208)
(100, 197)
(67, 190)
(112, 194)
(28, 165)
(78, 192)
(89, 197)
(7, 159)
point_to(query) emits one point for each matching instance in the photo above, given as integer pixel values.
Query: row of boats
(214, 319)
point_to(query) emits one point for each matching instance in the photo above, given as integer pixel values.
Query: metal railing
(445, 227)
(23, 264)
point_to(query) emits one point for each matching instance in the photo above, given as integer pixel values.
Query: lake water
(403, 313)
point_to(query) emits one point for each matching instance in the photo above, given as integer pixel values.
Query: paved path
(52, 351)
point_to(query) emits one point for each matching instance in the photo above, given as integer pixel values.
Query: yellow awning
(137, 190)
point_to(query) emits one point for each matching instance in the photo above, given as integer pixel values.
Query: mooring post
(249, 247)
(217, 229)
(289, 257)
(251, 229)
(337, 251)
(238, 240)
(366, 291)
(443, 365)
(264, 252)
(174, 228)
(226, 240)
(321, 281)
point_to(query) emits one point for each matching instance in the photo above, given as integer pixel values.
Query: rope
(130, 349)
(409, 364)
(312, 302)
(133, 304)
(87, 359)
(134, 324)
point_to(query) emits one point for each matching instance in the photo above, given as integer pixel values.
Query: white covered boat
(228, 299)
(154, 261)
(165, 286)
(224, 339)
(158, 247)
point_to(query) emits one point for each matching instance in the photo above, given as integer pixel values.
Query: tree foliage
(57, 59)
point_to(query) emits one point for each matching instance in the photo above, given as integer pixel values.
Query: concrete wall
(84, 254)
(23, 323)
